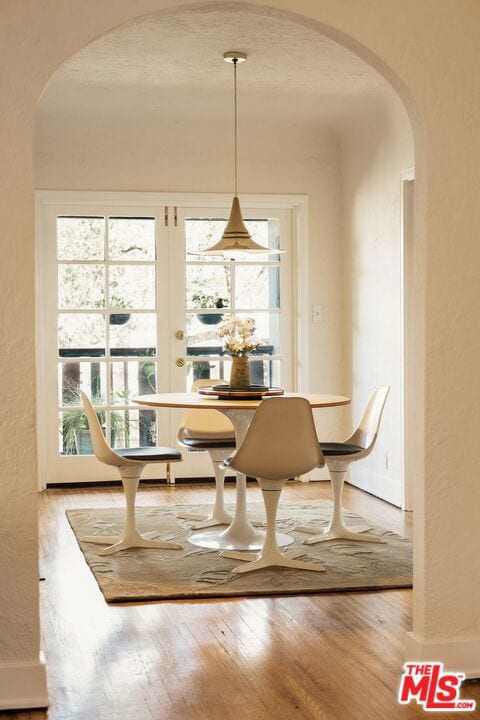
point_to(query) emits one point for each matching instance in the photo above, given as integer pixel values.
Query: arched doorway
(314, 112)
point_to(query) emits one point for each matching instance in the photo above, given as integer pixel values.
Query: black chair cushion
(205, 444)
(338, 448)
(150, 454)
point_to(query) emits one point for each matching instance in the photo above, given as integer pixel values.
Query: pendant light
(236, 239)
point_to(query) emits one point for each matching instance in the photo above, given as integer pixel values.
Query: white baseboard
(23, 685)
(457, 656)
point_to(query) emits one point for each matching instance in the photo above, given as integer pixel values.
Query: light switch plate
(317, 313)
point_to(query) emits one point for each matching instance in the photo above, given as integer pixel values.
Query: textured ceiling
(172, 65)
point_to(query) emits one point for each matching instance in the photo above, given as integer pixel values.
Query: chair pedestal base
(259, 561)
(280, 560)
(128, 540)
(130, 537)
(336, 529)
(271, 555)
(207, 521)
(342, 533)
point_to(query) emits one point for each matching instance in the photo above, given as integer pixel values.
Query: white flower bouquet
(237, 335)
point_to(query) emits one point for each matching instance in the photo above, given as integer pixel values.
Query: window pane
(133, 428)
(81, 334)
(81, 286)
(81, 238)
(132, 286)
(202, 338)
(87, 376)
(136, 336)
(208, 286)
(74, 435)
(265, 372)
(267, 331)
(202, 233)
(131, 238)
(203, 370)
(266, 233)
(257, 286)
(131, 378)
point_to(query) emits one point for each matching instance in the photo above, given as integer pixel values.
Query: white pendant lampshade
(236, 240)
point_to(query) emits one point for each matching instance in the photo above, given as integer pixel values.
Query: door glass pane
(136, 336)
(73, 433)
(202, 337)
(207, 286)
(80, 238)
(265, 372)
(131, 378)
(133, 428)
(257, 286)
(81, 334)
(90, 377)
(202, 233)
(132, 286)
(81, 286)
(265, 232)
(131, 238)
(267, 331)
(204, 370)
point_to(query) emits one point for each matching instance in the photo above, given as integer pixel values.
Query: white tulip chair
(210, 431)
(338, 457)
(280, 443)
(130, 463)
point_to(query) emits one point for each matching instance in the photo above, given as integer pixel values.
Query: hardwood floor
(324, 657)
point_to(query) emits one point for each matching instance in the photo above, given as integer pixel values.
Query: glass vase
(240, 372)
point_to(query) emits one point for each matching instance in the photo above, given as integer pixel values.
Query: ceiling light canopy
(236, 240)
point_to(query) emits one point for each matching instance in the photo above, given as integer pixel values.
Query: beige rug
(193, 572)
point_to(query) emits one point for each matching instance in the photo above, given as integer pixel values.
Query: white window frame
(165, 204)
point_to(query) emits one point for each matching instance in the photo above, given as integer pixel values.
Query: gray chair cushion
(150, 454)
(338, 448)
(207, 444)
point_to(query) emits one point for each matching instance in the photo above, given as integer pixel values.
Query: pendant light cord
(235, 61)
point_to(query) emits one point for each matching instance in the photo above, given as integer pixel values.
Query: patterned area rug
(134, 575)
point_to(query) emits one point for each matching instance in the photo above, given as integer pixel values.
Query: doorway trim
(406, 235)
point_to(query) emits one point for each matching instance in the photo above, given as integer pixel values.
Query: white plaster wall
(374, 152)
(414, 44)
(97, 151)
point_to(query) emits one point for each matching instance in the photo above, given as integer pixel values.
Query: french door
(124, 308)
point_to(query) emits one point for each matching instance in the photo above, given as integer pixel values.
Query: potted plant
(203, 300)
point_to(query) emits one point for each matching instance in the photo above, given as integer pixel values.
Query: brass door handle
(179, 335)
(179, 362)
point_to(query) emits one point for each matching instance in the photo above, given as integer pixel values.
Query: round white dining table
(240, 534)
